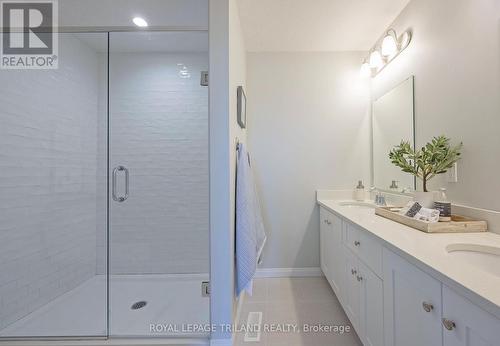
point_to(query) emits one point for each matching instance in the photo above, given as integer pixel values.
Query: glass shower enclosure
(104, 226)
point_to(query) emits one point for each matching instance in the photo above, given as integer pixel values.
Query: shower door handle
(115, 174)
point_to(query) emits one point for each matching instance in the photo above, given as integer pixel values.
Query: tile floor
(295, 301)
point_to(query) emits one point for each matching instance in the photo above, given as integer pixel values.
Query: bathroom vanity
(403, 287)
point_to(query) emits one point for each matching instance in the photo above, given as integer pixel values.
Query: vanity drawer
(365, 246)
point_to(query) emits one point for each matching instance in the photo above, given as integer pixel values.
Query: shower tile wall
(159, 130)
(48, 144)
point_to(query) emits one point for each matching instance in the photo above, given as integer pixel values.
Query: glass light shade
(405, 39)
(376, 60)
(389, 46)
(365, 70)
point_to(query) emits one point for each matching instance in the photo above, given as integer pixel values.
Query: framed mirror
(393, 120)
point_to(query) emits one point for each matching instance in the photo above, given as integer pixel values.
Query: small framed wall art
(242, 107)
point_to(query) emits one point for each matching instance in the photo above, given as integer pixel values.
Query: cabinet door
(472, 325)
(324, 241)
(371, 307)
(351, 293)
(412, 304)
(334, 256)
(330, 249)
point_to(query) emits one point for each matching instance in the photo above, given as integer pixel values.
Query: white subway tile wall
(48, 179)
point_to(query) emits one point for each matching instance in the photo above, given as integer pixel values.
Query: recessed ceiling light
(140, 22)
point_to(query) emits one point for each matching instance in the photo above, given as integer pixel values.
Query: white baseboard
(288, 272)
(221, 342)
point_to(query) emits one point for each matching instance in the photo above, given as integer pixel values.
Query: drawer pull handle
(353, 271)
(359, 278)
(357, 243)
(428, 307)
(448, 324)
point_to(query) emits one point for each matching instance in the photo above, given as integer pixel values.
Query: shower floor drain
(138, 305)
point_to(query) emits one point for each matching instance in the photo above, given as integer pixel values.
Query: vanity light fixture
(376, 61)
(366, 70)
(389, 44)
(140, 22)
(384, 51)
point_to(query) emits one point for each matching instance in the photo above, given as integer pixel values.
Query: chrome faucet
(379, 196)
(380, 199)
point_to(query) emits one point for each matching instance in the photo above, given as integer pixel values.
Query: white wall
(119, 13)
(308, 130)
(159, 131)
(455, 57)
(237, 77)
(48, 180)
(221, 234)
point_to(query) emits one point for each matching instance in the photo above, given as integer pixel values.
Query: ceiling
(315, 25)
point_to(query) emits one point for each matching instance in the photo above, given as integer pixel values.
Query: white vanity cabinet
(371, 307)
(348, 259)
(465, 324)
(362, 299)
(330, 249)
(391, 301)
(351, 295)
(412, 304)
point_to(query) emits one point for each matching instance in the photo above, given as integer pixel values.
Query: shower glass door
(53, 194)
(158, 165)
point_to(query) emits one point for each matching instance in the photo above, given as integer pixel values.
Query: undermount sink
(357, 204)
(483, 257)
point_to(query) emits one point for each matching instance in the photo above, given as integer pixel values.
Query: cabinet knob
(359, 278)
(353, 271)
(449, 324)
(428, 307)
(357, 243)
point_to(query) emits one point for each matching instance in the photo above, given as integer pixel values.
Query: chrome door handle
(115, 173)
(428, 307)
(448, 324)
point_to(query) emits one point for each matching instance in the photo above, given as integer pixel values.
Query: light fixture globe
(376, 60)
(389, 46)
(365, 70)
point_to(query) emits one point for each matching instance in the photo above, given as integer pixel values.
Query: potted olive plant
(436, 157)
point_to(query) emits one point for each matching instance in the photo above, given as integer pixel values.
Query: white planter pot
(425, 199)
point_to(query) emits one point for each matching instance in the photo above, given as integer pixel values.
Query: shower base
(171, 300)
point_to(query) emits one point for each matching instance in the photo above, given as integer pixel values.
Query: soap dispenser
(359, 191)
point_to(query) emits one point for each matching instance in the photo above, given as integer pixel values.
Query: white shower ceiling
(315, 25)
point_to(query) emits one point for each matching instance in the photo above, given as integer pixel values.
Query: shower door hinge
(204, 78)
(205, 289)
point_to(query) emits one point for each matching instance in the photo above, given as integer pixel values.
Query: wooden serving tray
(458, 224)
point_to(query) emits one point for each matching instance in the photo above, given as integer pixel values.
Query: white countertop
(428, 252)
